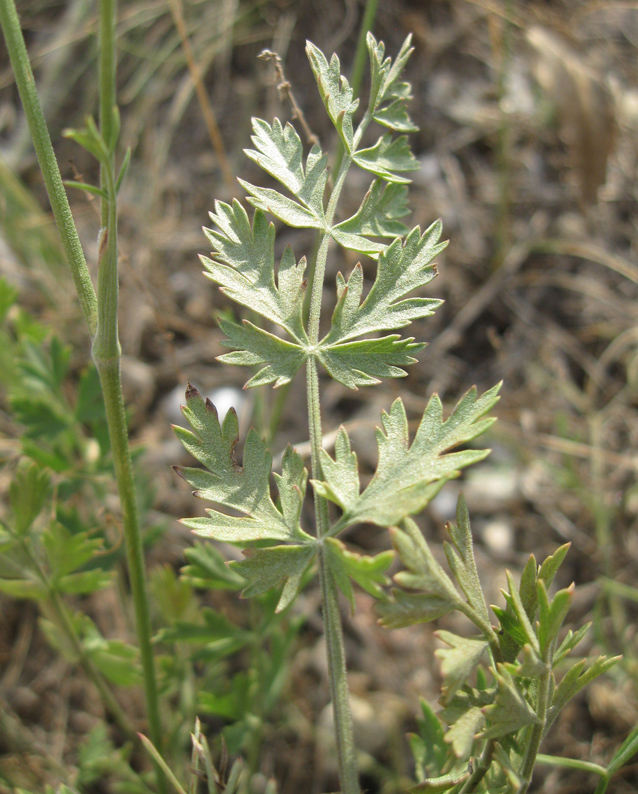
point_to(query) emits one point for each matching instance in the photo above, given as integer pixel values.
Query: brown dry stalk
(285, 90)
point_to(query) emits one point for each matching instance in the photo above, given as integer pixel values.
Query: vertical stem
(536, 735)
(109, 371)
(344, 736)
(107, 355)
(48, 164)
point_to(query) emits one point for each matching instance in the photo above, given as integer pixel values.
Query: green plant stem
(109, 372)
(538, 730)
(106, 353)
(107, 92)
(571, 763)
(100, 313)
(346, 755)
(480, 770)
(47, 161)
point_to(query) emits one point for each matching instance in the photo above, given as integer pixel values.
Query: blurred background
(528, 146)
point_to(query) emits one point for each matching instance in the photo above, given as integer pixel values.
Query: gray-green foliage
(499, 692)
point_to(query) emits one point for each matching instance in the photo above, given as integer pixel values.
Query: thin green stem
(480, 770)
(47, 161)
(346, 755)
(571, 763)
(344, 734)
(536, 736)
(107, 92)
(100, 313)
(106, 354)
(109, 372)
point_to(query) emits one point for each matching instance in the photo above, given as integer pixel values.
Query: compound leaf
(408, 475)
(244, 267)
(245, 489)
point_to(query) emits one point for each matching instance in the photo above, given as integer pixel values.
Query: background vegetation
(527, 151)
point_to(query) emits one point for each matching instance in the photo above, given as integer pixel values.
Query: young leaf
(244, 267)
(408, 476)
(572, 639)
(335, 92)
(66, 551)
(575, 679)
(428, 747)
(266, 568)
(531, 666)
(517, 605)
(424, 572)
(458, 661)
(245, 489)
(550, 566)
(460, 557)
(510, 711)
(435, 785)
(386, 157)
(367, 572)
(527, 587)
(511, 625)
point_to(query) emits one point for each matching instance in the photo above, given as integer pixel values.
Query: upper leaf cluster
(243, 261)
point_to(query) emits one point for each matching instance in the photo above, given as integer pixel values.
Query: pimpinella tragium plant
(501, 718)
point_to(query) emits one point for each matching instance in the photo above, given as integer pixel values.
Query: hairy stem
(109, 372)
(99, 311)
(47, 161)
(344, 736)
(107, 354)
